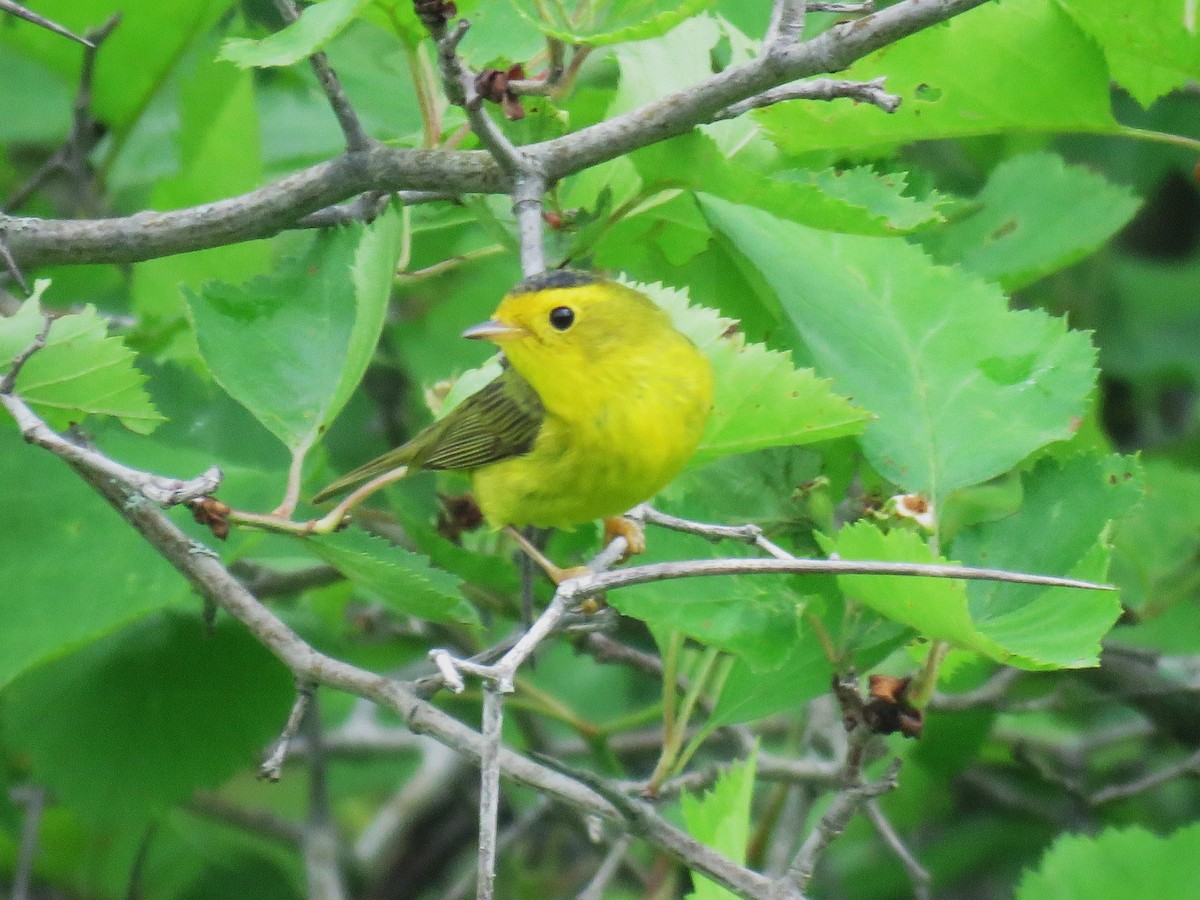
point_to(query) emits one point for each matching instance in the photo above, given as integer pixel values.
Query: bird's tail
(384, 465)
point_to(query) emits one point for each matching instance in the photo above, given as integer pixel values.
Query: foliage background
(1043, 150)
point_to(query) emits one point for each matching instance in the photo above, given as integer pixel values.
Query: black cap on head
(556, 278)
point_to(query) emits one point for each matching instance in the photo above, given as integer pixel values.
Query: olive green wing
(500, 420)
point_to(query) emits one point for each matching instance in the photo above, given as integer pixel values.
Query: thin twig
(817, 89)
(440, 768)
(262, 823)
(786, 25)
(460, 89)
(321, 842)
(917, 873)
(10, 264)
(9, 381)
(491, 729)
(268, 210)
(1189, 766)
(356, 138)
(527, 207)
(837, 816)
(607, 870)
(16, 9)
(33, 798)
(272, 767)
(990, 693)
(368, 206)
(864, 8)
(511, 834)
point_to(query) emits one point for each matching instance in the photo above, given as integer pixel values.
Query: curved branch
(269, 210)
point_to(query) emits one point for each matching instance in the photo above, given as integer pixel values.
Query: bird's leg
(555, 574)
(635, 537)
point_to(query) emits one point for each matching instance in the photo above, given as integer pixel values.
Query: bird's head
(567, 318)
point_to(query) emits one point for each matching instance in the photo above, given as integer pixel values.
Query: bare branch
(917, 873)
(786, 25)
(834, 822)
(864, 8)
(268, 210)
(272, 766)
(16, 9)
(1189, 766)
(990, 693)
(367, 207)
(38, 343)
(489, 788)
(260, 822)
(591, 585)
(321, 842)
(594, 890)
(817, 89)
(356, 138)
(527, 207)
(33, 798)
(10, 264)
(461, 90)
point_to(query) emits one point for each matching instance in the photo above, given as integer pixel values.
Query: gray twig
(268, 210)
(321, 842)
(260, 822)
(16, 9)
(817, 89)
(10, 263)
(609, 866)
(990, 693)
(460, 88)
(917, 873)
(33, 798)
(491, 729)
(1189, 766)
(367, 207)
(272, 767)
(356, 138)
(786, 25)
(839, 813)
(864, 8)
(9, 381)
(72, 156)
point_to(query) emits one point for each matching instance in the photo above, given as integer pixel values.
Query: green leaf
(81, 371)
(35, 105)
(1017, 66)
(608, 21)
(748, 694)
(1042, 628)
(1149, 45)
(313, 324)
(1116, 863)
(721, 819)
(963, 387)
(855, 201)
(1061, 528)
(1036, 215)
(58, 537)
(760, 400)
(752, 618)
(218, 145)
(1155, 547)
(935, 607)
(317, 26)
(399, 579)
(138, 56)
(109, 727)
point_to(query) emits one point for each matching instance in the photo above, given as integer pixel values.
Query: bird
(600, 403)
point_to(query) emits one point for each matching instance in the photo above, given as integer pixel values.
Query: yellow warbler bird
(600, 404)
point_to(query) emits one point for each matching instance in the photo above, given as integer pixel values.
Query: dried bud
(553, 219)
(434, 14)
(211, 513)
(492, 85)
(889, 711)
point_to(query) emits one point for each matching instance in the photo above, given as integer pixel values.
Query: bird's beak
(493, 330)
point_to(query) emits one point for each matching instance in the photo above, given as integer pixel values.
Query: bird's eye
(562, 317)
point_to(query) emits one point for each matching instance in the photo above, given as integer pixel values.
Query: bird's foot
(635, 536)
